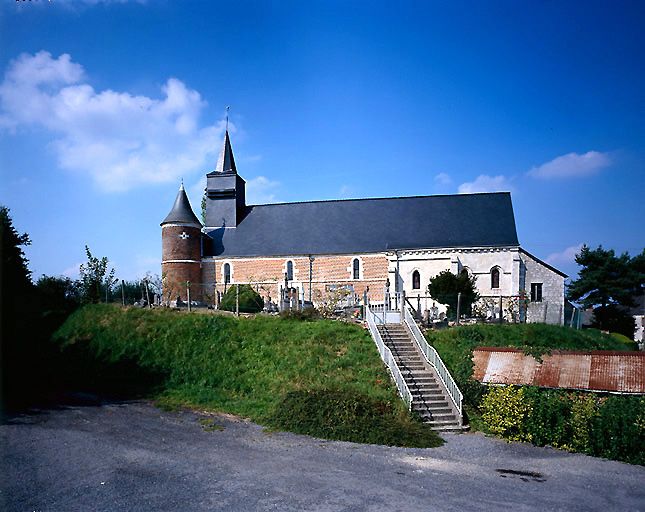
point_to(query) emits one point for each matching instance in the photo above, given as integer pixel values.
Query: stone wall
(551, 309)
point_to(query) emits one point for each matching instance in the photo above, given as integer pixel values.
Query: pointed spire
(182, 212)
(226, 162)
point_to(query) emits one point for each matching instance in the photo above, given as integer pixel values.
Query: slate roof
(181, 211)
(368, 225)
(225, 161)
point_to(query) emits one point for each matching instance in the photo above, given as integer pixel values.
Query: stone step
(430, 393)
(433, 410)
(415, 388)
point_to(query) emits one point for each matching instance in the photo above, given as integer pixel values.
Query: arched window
(494, 277)
(416, 280)
(289, 270)
(356, 269)
(227, 273)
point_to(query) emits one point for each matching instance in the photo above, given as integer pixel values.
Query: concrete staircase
(429, 398)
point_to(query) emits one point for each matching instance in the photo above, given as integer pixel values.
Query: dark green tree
(445, 287)
(250, 301)
(95, 277)
(60, 294)
(15, 275)
(605, 283)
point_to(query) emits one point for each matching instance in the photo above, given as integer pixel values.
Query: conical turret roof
(225, 162)
(181, 211)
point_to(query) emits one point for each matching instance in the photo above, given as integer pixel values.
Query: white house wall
(517, 268)
(479, 263)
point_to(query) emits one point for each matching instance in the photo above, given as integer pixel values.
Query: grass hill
(322, 378)
(456, 345)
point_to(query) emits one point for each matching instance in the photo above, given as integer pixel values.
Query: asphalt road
(135, 457)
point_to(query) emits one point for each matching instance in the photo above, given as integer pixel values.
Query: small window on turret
(227, 273)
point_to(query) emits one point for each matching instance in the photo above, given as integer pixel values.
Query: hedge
(605, 426)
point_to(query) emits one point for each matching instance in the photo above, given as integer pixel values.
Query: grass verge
(256, 367)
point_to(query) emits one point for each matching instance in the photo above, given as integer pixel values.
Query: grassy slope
(456, 346)
(246, 366)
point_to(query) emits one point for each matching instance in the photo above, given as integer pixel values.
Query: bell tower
(181, 240)
(225, 191)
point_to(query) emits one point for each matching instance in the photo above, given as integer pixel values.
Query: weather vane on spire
(228, 107)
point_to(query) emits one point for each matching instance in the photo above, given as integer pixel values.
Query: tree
(446, 286)
(605, 283)
(250, 301)
(15, 276)
(58, 293)
(94, 275)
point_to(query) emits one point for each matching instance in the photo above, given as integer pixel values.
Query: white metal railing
(432, 356)
(386, 308)
(388, 359)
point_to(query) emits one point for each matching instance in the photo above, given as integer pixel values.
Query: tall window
(356, 269)
(416, 280)
(494, 278)
(536, 292)
(289, 270)
(227, 273)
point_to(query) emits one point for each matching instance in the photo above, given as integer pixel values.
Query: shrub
(549, 419)
(505, 410)
(249, 300)
(584, 410)
(618, 430)
(350, 416)
(308, 314)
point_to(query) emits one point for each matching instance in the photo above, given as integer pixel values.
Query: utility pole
(123, 292)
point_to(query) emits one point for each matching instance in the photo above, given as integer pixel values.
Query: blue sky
(105, 105)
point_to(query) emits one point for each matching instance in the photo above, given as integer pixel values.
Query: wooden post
(122, 292)
(237, 300)
(501, 318)
(188, 294)
(148, 294)
(459, 306)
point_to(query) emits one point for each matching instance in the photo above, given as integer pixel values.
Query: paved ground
(136, 457)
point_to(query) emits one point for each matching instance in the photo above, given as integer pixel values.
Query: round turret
(181, 251)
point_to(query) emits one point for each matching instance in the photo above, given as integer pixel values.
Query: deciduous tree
(446, 286)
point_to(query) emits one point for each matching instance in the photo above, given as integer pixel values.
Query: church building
(359, 245)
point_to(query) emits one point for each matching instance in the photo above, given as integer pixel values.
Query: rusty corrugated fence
(598, 370)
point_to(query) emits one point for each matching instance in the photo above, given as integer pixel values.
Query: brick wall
(175, 276)
(175, 245)
(268, 273)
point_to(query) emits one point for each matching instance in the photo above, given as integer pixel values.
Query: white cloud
(572, 165)
(443, 179)
(73, 272)
(121, 140)
(485, 183)
(261, 190)
(565, 257)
